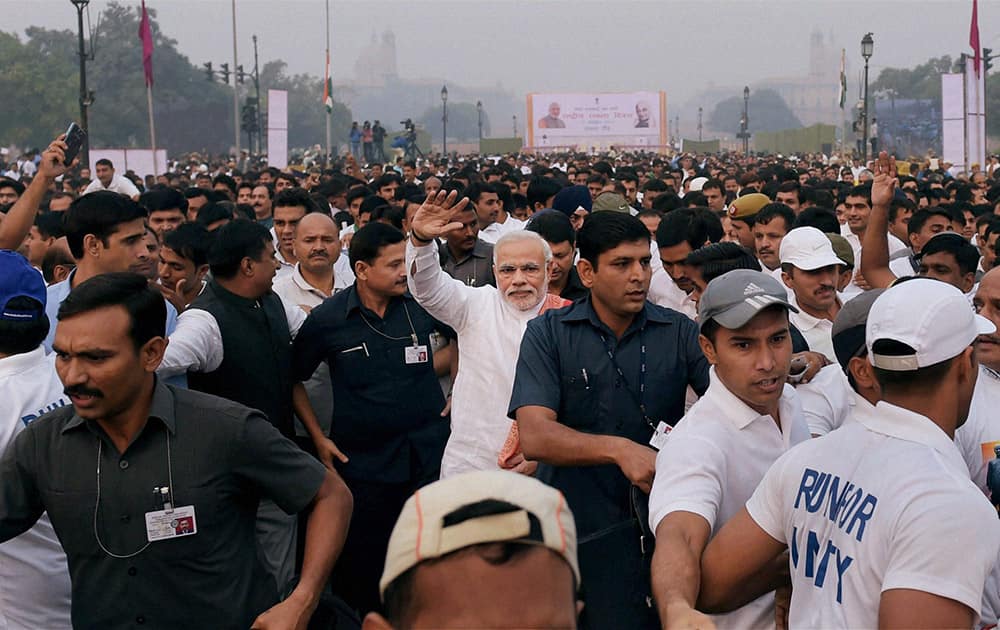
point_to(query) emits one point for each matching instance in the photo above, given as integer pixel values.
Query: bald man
(319, 272)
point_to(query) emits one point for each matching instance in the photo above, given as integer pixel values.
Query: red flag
(146, 35)
(977, 55)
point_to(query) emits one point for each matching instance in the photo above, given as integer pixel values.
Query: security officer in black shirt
(596, 384)
(388, 415)
(185, 556)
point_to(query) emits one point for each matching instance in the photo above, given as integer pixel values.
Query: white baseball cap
(444, 517)
(930, 316)
(807, 248)
(697, 183)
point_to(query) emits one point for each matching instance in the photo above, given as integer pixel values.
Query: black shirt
(386, 412)
(223, 458)
(564, 366)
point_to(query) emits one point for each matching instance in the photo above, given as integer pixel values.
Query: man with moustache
(388, 423)
(585, 409)
(489, 323)
(260, 199)
(465, 256)
(320, 272)
(810, 269)
(190, 555)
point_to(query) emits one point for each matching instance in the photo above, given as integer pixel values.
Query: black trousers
(615, 580)
(358, 570)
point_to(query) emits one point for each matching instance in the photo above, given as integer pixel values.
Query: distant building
(813, 97)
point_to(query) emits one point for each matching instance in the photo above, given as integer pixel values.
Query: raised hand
(884, 183)
(434, 217)
(51, 165)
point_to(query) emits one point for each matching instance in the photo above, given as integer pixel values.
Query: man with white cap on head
(878, 515)
(748, 415)
(486, 549)
(810, 270)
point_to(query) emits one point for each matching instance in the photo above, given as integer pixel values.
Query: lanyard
(413, 331)
(637, 399)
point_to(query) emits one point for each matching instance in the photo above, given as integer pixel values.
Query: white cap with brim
(808, 249)
(474, 508)
(931, 317)
(735, 297)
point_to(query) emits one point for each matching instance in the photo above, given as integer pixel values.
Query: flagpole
(152, 127)
(327, 82)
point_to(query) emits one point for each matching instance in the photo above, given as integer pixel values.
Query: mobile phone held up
(74, 142)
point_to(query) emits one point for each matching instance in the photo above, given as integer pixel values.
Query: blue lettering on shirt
(31, 417)
(846, 505)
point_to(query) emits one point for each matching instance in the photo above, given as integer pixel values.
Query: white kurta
(489, 341)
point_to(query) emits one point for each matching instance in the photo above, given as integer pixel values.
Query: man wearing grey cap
(883, 526)
(711, 462)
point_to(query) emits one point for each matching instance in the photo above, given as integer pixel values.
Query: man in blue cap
(34, 579)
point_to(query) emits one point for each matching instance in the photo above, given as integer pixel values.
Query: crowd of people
(621, 390)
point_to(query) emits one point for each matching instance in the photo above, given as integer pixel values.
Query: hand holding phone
(74, 142)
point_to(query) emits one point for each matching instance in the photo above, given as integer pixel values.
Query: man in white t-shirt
(34, 578)
(883, 526)
(107, 179)
(711, 462)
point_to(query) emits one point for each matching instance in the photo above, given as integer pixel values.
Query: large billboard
(598, 120)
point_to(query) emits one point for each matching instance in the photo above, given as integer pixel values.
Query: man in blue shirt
(388, 417)
(595, 381)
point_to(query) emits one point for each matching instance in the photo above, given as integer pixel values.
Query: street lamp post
(515, 125)
(867, 47)
(699, 124)
(85, 97)
(745, 127)
(479, 112)
(444, 119)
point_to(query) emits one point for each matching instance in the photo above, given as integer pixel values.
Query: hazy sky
(679, 46)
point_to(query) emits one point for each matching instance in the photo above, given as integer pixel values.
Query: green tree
(768, 112)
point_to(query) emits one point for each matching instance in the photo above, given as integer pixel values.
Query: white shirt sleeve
(825, 400)
(955, 570)
(690, 476)
(295, 316)
(93, 187)
(766, 504)
(126, 187)
(195, 346)
(444, 297)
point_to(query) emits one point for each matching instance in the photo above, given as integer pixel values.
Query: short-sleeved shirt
(475, 269)
(712, 462)
(879, 504)
(223, 458)
(387, 419)
(564, 366)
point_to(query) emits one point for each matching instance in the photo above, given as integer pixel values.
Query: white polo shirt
(34, 578)
(980, 434)
(827, 400)
(119, 184)
(882, 503)
(818, 332)
(711, 463)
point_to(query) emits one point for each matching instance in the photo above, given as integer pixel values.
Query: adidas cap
(735, 297)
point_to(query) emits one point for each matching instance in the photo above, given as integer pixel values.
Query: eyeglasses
(508, 271)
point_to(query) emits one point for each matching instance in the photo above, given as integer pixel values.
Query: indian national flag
(843, 80)
(328, 86)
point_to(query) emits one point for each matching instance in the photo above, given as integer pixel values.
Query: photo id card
(416, 354)
(660, 435)
(163, 524)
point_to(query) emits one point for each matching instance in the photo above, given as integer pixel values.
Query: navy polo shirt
(386, 412)
(564, 366)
